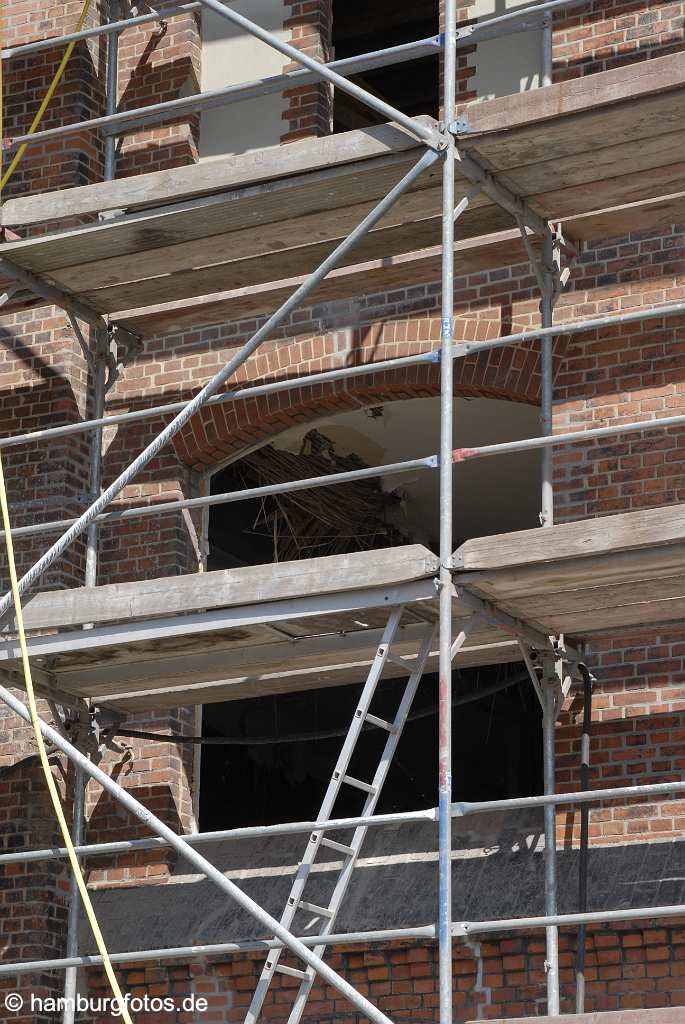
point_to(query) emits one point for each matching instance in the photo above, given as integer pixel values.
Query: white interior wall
(491, 495)
(511, 63)
(231, 57)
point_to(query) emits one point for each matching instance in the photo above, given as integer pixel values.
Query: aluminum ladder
(362, 715)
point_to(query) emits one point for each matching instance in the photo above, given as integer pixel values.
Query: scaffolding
(460, 598)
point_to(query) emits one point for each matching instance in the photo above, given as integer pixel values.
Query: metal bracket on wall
(122, 350)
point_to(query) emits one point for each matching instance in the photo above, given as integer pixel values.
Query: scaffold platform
(602, 155)
(260, 630)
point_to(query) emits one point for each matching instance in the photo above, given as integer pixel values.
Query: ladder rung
(291, 972)
(323, 911)
(338, 847)
(358, 784)
(381, 723)
(395, 659)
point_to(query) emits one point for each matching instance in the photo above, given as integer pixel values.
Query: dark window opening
(285, 747)
(496, 749)
(363, 27)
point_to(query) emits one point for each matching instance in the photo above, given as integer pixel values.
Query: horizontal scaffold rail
(513, 21)
(371, 472)
(128, 120)
(461, 929)
(460, 351)
(459, 810)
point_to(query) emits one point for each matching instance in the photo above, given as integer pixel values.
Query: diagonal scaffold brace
(217, 382)
(196, 859)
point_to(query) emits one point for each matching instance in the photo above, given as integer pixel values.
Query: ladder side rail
(326, 808)
(345, 876)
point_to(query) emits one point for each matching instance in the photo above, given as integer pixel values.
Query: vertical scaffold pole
(446, 445)
(547, 57)
(80, 782)
(111, 96)
(549, 714)
(95, 487)
(549, 711)
(95, 472)
(547, 378)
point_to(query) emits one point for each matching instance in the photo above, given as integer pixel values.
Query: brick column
(159, 62)
(310, 108)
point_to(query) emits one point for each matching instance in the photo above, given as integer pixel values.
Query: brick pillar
(32, 896)
(159, 62)
(310, 108)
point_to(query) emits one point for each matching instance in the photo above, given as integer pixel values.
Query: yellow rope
(54, 795)
(11, 563)
(18, 156)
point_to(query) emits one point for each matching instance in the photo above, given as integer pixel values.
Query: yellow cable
(54, 795)
(18, 156)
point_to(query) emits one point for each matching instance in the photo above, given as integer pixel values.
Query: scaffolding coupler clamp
(443, 139)
(460, 126)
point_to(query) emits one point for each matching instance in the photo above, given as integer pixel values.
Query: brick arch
(223, 431)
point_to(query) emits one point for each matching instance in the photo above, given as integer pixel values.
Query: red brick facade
(626, 968)
(602, 377)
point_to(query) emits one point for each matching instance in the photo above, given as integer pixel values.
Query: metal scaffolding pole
(428, 462)
(547, 49)
(100, 372)
(219, 379)
(78, 821)
(549, 716)
(219, 949)
(162, 13)
(95, 481)
(547, 378)
(563, 920)
(458, 810)
(196, 859)
(445, 635)
(163, 508)
(459, 351)
(548, 280)
(521, 20)
(242, 394)
(420, 131)
(465, 348)
(111, 93)
(118, 122)
(461, 929)
(98, 367)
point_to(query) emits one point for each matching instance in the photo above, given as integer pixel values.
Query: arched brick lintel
(221, 432)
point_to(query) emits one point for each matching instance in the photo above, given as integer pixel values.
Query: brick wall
(602, 377)
(627, 967)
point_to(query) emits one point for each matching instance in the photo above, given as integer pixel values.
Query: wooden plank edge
(160, 188)
(419, 267)
(585, 537)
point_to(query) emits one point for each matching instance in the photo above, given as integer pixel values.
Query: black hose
(245, 741)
